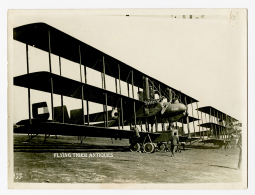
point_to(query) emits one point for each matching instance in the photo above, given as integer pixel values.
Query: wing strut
(218, 123)
(87, 102)
(193, 117)
(133, 96)
(116, 86)
(83, 116)
(121, 106)
(198, 121)
(210, 121)
(106, 113)
(51, 82)
(28, 89)
(215, 127)
(224, 130)
(187, 115)
(62, 104)
(206, 128)
(103, 104)
(202, 126)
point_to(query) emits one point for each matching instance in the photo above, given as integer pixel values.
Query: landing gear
(135, 147)
(31, 133)
(31, 136)
(45, 137)
(161, 147)
(81, 138)
(149, 147)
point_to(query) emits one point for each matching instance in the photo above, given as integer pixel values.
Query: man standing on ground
(239, 144)
(174, 143)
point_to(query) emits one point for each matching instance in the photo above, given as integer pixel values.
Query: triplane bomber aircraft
(158, 103)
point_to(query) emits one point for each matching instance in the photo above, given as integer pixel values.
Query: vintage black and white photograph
(141, 97)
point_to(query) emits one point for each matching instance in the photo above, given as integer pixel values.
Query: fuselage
(174, 109)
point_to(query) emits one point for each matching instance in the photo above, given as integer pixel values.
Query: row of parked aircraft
(158, 103)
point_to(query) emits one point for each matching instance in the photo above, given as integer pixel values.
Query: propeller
(187, 117)
(165, 107)
(170, 100)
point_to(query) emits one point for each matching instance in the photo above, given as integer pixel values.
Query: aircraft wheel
(149, 147)
(155, 147)
(161, 147)
(135, 147)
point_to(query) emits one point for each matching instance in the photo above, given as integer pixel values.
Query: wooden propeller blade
(164, 108)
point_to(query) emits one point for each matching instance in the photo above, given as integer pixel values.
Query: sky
(205, 58)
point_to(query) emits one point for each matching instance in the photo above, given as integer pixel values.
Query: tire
(135, 147)
(149, 147)
(161, 147)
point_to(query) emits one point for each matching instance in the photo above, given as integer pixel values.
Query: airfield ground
(36, 163)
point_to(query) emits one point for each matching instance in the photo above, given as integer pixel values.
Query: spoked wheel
(149, 147)
(135, 147)
(161, 147)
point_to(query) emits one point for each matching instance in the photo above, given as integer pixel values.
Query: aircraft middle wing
(71, 88)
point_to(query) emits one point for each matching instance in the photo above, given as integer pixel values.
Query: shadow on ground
(222, 166)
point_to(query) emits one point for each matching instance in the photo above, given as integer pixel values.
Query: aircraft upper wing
(66, 46)
(216, 113)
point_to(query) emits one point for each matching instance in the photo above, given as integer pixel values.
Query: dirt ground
(110, 161)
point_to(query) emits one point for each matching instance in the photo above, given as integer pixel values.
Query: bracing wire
(109, 68)
(96, 62)
(93, 67)
(128, 76)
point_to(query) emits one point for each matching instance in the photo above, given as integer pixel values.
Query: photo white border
(130, 4)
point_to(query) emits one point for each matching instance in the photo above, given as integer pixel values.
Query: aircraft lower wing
(53, 128)
(215, 141)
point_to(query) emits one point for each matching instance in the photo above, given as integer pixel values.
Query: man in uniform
(174, 143)
(151, 93)
(239, 144)
(134, 128)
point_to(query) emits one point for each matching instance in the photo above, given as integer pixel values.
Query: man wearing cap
(174, 143)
